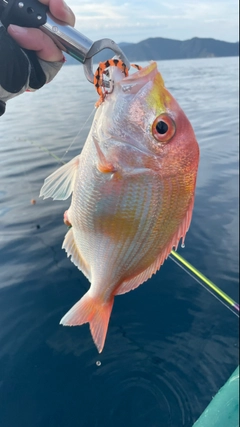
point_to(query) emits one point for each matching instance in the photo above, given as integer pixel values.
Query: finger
(34, 39)
(60, 10)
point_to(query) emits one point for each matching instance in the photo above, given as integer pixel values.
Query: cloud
(135, 20)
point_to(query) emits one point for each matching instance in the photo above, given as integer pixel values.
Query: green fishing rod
(208, 284)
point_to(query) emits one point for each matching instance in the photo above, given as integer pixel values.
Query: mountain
(159, 48)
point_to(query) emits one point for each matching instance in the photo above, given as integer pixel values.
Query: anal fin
(136, 281)
(72, 250)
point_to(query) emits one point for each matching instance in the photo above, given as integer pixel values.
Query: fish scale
(132, 192)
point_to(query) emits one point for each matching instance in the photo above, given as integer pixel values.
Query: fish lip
(143, 72)
(138, 79)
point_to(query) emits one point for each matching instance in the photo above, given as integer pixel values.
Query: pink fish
(132, 192)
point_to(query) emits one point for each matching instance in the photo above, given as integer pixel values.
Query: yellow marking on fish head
(158, 98)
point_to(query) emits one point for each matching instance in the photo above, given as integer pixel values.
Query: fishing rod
(206, 283)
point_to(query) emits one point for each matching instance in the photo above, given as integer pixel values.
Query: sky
(136, 20)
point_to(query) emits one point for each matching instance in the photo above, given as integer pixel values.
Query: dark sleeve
(14, 64)
(21, 69)
(14, 69)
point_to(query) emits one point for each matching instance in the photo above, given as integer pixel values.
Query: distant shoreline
(160, 48)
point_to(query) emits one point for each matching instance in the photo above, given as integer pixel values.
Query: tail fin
(94, 311)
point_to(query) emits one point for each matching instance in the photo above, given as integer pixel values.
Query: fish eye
(163, 128)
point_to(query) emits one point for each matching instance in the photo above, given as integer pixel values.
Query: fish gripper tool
(32, 13)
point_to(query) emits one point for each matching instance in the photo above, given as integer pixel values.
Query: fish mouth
(143, 72)
(133, 82)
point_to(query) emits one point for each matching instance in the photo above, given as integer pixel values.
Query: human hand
(38, 63)
(34, 39)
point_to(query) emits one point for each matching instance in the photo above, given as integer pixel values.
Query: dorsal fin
(59, 185)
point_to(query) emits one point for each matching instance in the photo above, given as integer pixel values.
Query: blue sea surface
(170, 345)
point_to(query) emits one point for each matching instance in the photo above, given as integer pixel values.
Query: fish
(133, 188)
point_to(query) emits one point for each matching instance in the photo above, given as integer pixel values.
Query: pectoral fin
(103, 165)
(59, 185)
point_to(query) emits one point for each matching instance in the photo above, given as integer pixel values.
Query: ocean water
(170, 344)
